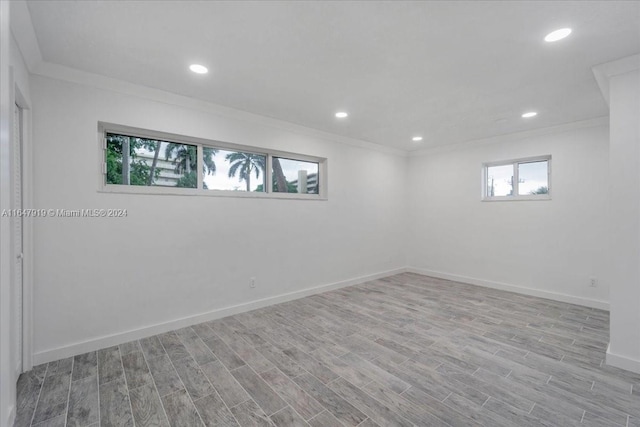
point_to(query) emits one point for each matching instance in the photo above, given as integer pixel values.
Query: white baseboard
(147, 331)
(587, 302)
(122, 337)
(622, 362)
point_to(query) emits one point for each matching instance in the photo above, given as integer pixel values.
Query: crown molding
(514, 136)
(604, 72)
(25, 37)
(71, 75)
(59, 72)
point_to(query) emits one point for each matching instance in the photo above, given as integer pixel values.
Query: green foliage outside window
(140, 173)
(183, 157)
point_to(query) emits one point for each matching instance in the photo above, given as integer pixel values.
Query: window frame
(516, 184)
(201, 143)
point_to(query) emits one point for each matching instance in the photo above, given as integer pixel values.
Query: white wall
(551, 248)
(624, 227)
(178, 256)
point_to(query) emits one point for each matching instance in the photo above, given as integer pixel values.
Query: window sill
(517, 198)
(168, 191)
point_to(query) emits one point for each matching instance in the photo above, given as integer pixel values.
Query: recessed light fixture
(529, 114)
(556, 35)
(416, 138)
(341, 115)
(198, 69)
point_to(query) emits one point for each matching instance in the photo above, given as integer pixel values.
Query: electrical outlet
(252, 282)
(593, 282)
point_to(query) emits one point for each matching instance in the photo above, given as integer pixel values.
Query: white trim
(104, 127)
(519, 160)
(622, 362)
(177, 191)
(512, 137)
(199, 163)
(14, 237)
(528, 197)
(28, 44)
(604, 72)
(27, 229)
(268, 182)
(122, 337)
(59, 72)
(571, 299)
(119, 338)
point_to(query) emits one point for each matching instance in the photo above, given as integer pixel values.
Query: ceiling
(448, 71)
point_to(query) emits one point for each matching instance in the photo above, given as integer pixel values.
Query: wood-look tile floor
(400, 351)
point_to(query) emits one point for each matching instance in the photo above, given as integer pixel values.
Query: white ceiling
(450, 71)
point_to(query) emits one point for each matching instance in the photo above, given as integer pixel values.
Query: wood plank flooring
(406, 350)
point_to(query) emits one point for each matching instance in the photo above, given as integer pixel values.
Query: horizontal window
(523, 179)
(139, 161)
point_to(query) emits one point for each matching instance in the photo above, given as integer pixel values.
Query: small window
(524, 179)
(294, 176)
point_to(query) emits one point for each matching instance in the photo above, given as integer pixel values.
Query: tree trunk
(281, 181)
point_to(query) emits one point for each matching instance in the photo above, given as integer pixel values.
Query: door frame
(18, 98)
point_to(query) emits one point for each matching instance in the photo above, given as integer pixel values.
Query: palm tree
(185, 158)
(244, 164)
(207, 157)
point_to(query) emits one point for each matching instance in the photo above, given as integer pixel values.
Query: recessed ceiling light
(341, 115)
(529, 114)
(557, 35)
(198, 69)
(416, 138)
